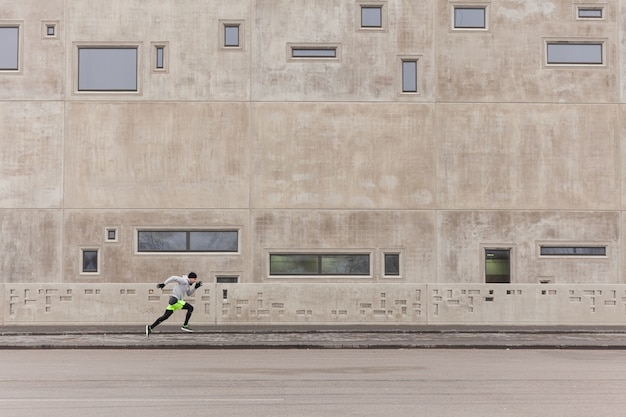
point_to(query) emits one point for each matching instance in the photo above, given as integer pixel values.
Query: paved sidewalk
(314, 337)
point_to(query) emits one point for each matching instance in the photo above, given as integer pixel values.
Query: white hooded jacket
(183, 286)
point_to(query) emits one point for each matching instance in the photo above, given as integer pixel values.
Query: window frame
(81, 257)
(603, 7)
(77, 46)
(222, 25)
(360, 5)
(547, 42)
(19, 25)
(188, 231)
(45, 24)
(484, 247)
(319, 255)
(485, 6)
(573, 245)
(154, 57)
(391, 252)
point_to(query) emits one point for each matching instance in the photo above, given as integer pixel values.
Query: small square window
(89, 261)
(371, 16)
(231, 35)
(111, 234)
(49, 29)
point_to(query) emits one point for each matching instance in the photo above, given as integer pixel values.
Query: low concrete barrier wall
(295, 303)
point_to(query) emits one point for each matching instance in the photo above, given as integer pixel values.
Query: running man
(185, 285)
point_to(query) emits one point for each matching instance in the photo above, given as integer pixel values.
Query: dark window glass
(319, 264)
(90, 261)
(573, 250)
(188, 241)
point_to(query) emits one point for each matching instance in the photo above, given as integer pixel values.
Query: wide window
(107, 68)
(573, 250)
(188, 241)
(9, 48)
(319, 264)
(574, 53)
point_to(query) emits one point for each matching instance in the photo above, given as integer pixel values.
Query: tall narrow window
(231, 35)
(9, 48)
(497, 266)
(107, 69)
(409, 76)
(160, 57)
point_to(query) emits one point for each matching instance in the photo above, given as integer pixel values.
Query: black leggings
(168, 313)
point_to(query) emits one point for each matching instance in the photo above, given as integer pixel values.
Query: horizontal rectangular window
(470, 17)
(587, 13)
(573, 250)
(188, 241)
(9, 48)
(314, 52)
(319, 264)
(574, 53)
(107, 69)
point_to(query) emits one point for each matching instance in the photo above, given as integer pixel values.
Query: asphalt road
(312, 382)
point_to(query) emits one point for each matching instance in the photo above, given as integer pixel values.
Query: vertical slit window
(160, 57)
(409, 76)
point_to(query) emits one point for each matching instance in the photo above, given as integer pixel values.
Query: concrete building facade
(322, 161)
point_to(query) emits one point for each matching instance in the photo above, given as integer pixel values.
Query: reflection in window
(107, 69)
(188, 241)
(90, 260)
(319, 264)
(9, 48)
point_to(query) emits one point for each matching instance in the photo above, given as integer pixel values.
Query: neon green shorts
(178, 305)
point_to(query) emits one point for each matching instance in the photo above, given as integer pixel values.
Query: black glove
(161, 285)
(198, 284)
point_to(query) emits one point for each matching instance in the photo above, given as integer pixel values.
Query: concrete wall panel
(506, 63)
(368, 62)
(500, 156)
(32, 150)
(343, 156)
(197, 67)
(120, 261)
(29, 243)
(156, 155)
(464, 234)
(41, 58)
(410, 233)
